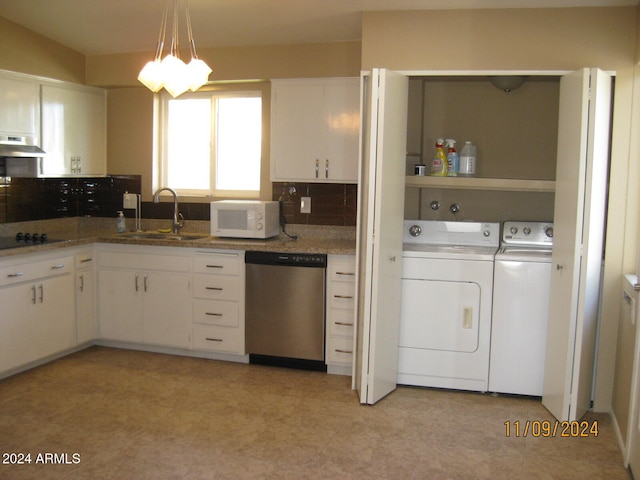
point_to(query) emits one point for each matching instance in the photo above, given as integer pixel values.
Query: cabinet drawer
(84, 259)
(220, 264)
(30, 271)
(211, 337)
(340, 322)
(342, 272)
(216, 287)
(342, 295)
(215, 312)
(340, 350)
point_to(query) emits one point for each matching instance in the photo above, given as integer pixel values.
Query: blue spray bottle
(453, 160)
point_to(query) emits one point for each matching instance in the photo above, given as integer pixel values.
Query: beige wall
(27, 52)
(240, 63)
(549, 39)
(543, 40)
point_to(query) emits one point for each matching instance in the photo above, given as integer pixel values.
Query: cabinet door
(120, 305)
(167, 309)
(55, 317)
(19, 326)
(298, 130)
(87, 328)
(73, 130)
(38, 320)
(342, 120)
(19, 107)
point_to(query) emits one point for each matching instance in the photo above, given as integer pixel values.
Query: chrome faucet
(178, 219)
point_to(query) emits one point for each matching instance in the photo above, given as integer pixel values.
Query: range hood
(18, 146)
(17, 150)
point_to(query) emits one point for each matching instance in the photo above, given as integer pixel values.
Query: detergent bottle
(467, 160)
(439, 162)
(453, 160)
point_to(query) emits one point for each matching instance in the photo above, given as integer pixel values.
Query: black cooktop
(25, 240)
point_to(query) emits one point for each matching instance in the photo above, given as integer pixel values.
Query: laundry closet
(519, 134)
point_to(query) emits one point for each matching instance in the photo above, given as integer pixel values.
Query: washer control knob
(549, 232)
(513, 230)
(415, 230)
(526, 230)
(487, 233)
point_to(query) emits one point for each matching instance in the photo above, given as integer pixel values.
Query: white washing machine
(445, 323)
(520, 308)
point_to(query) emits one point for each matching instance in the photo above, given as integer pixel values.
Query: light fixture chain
(192, 43)
(163, 30)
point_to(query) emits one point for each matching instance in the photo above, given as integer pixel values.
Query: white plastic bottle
(122, 227)
(453, 161)
(467, 160)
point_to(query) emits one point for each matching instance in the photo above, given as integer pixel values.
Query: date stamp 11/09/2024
(550, 429)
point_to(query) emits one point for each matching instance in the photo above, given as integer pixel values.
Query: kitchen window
(210, 143)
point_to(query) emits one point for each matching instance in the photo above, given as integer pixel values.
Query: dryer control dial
(513, 230)
(549, 232)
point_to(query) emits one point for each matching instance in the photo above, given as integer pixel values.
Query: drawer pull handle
(82, 282)
(350, 352)
(213, 339)
(58, 267)
(345, 273)
(13, 275)
(85, 260)
(213, 314)
(215, 266)
(219, 289)
(343, 296)
(345, 324)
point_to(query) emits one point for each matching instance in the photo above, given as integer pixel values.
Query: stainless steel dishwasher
(285, 309)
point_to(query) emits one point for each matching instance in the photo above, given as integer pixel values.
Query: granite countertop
(84, 231)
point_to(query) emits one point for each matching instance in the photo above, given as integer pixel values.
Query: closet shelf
(474, 183)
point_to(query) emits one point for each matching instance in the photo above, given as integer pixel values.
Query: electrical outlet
(305, 204)
(130, 200)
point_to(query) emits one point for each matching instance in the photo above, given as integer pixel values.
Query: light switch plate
(305, 204)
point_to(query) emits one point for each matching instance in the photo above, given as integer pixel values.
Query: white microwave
(245, 218)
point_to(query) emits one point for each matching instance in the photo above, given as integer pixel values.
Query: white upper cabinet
(19, 107)
(314, 130)
(74, 130)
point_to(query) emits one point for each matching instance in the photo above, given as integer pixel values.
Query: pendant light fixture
(172, 73)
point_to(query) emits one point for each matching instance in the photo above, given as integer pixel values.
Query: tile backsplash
(331, 203)
(27, 199)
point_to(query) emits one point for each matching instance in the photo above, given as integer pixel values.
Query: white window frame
(160, 163)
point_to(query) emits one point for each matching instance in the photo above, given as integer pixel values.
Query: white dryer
(520, 308)
(445, 323)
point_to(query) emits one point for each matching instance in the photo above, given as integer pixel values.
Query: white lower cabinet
(85, 285)
(144, 296)
(37, 298)
(218, 301)
(340, 313)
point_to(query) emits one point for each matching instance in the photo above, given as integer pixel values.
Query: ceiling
(96, 27)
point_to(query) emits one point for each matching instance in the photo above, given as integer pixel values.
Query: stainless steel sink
(164, 236)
